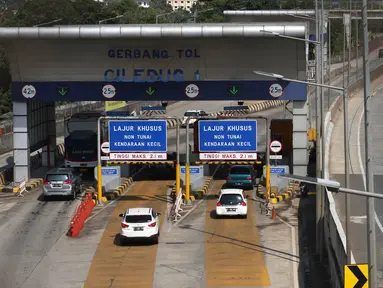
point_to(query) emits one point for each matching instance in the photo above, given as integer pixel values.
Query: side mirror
(121, 215)
(247, 196)
(159, 214)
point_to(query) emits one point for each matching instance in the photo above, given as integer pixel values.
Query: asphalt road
(377, 169)
(29, 228)
(358, 229)
(330, 95)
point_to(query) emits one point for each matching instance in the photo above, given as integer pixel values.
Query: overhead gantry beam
(251, 30)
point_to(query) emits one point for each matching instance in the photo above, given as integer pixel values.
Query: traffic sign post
(105, 148)
(356, 275)
(136, 137)
(275, 147)
(247, 144)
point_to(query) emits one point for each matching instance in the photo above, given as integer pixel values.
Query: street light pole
(346, 146)
(371, 238)
(318, 144)
(196, 13)
(345, 133)
(48, 23)
(164, 14)
(113, 18)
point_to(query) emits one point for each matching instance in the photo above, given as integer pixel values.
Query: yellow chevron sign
(356, 276)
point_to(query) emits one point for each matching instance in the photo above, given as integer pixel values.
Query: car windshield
(231, 199)
(57, 177)
(240, 170)
(138, 218)
(190, 113)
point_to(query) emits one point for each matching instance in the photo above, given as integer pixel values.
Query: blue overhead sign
(277, 170)
(193, 170)
(109, 171)
(137, 136)
(198, 90)
(227, 135)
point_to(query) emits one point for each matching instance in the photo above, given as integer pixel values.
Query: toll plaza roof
(268, 12)
(221, 30)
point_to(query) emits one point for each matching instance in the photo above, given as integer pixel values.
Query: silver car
(62, 182)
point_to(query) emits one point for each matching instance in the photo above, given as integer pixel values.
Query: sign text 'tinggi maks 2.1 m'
(227, 139)
(138, 140)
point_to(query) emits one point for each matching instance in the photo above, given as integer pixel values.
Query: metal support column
(318, 144)
(371, 235)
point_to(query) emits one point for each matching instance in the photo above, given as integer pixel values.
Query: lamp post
(196, 13)
(319, 115)
(113, 18)
(48, 23)
(164, 14)
(345, 143)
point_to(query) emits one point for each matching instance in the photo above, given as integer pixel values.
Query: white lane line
(361, 161)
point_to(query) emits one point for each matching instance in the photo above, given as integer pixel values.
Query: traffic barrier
(82, 213)
(34, 184)
(204, 188)
(118, 191)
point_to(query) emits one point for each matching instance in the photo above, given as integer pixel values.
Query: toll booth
(282, 131)
(153, 110)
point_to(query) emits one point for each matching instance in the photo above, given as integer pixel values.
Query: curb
(34, 184)
(204, 188)
(276, 197)
(117, 192)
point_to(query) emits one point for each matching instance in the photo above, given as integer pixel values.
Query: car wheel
(74, 195)
(244, 216)
(156, 238)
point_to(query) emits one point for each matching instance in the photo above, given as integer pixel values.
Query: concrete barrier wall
(334, 235)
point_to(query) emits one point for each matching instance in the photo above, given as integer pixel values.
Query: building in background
(143, 3)
(183, 4)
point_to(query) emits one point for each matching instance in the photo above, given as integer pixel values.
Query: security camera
(331, 185)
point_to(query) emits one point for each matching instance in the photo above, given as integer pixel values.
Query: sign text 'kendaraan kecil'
(137, 139)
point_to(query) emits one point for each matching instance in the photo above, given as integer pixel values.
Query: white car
(140, 223)
(191, 113)
(231, 202)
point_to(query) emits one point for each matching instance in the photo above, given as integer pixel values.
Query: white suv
(231, 202)
(191, 113)
(140, 223)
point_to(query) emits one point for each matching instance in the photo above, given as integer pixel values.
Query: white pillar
(300, 141)
(21, 148)
(51, 137)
